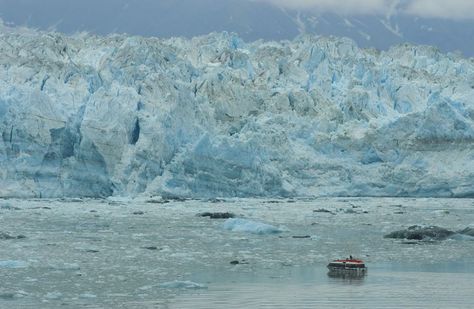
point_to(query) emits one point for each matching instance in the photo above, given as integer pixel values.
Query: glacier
(214, 116)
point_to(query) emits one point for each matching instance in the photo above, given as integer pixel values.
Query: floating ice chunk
(249, 226)
(182, 285)
(87, 295)
(469, 231)
(441, 212)
(461, 237)
(119, 199)
(7, 206)
(11, 295)
(13, 264)
(54, 295)
(417, 232)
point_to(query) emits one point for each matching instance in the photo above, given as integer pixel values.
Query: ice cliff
(212, 116)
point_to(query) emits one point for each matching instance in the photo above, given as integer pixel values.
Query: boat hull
(347, 268)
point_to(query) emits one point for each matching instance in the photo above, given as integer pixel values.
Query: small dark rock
(157, 201)
(6, 236)
(350, 211)
(138, 212)
(151, 248)
(215, 200)
(324, 211)
(217, 215)
(236, 262)
(417, 232)
(174, 198)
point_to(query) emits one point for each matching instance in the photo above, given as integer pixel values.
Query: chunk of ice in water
(249, 226)
(13, 264)
(54, 295)
(182, 285)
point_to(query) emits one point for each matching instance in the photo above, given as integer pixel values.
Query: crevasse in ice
(211, 116)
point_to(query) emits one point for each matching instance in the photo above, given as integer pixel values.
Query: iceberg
(249, 226)
(182, 285)
(93, 116)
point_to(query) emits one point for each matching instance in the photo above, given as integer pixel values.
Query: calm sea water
(385, 286)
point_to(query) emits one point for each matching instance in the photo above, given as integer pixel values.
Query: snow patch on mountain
(86, 115)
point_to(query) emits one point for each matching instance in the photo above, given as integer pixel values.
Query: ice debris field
(95, 116)
(119, 253)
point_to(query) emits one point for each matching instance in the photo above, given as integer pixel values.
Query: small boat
(348, 266)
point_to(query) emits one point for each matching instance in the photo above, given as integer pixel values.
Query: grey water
(446, 285)
(117, 253)
(308, 288)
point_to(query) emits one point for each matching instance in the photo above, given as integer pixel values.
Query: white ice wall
(214, 116)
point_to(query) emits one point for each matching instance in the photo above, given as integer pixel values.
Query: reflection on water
(349, 276)
(315, 288)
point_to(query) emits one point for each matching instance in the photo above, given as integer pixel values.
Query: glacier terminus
(95, 116)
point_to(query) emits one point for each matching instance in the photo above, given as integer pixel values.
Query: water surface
(446, 285)
(118, 254)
